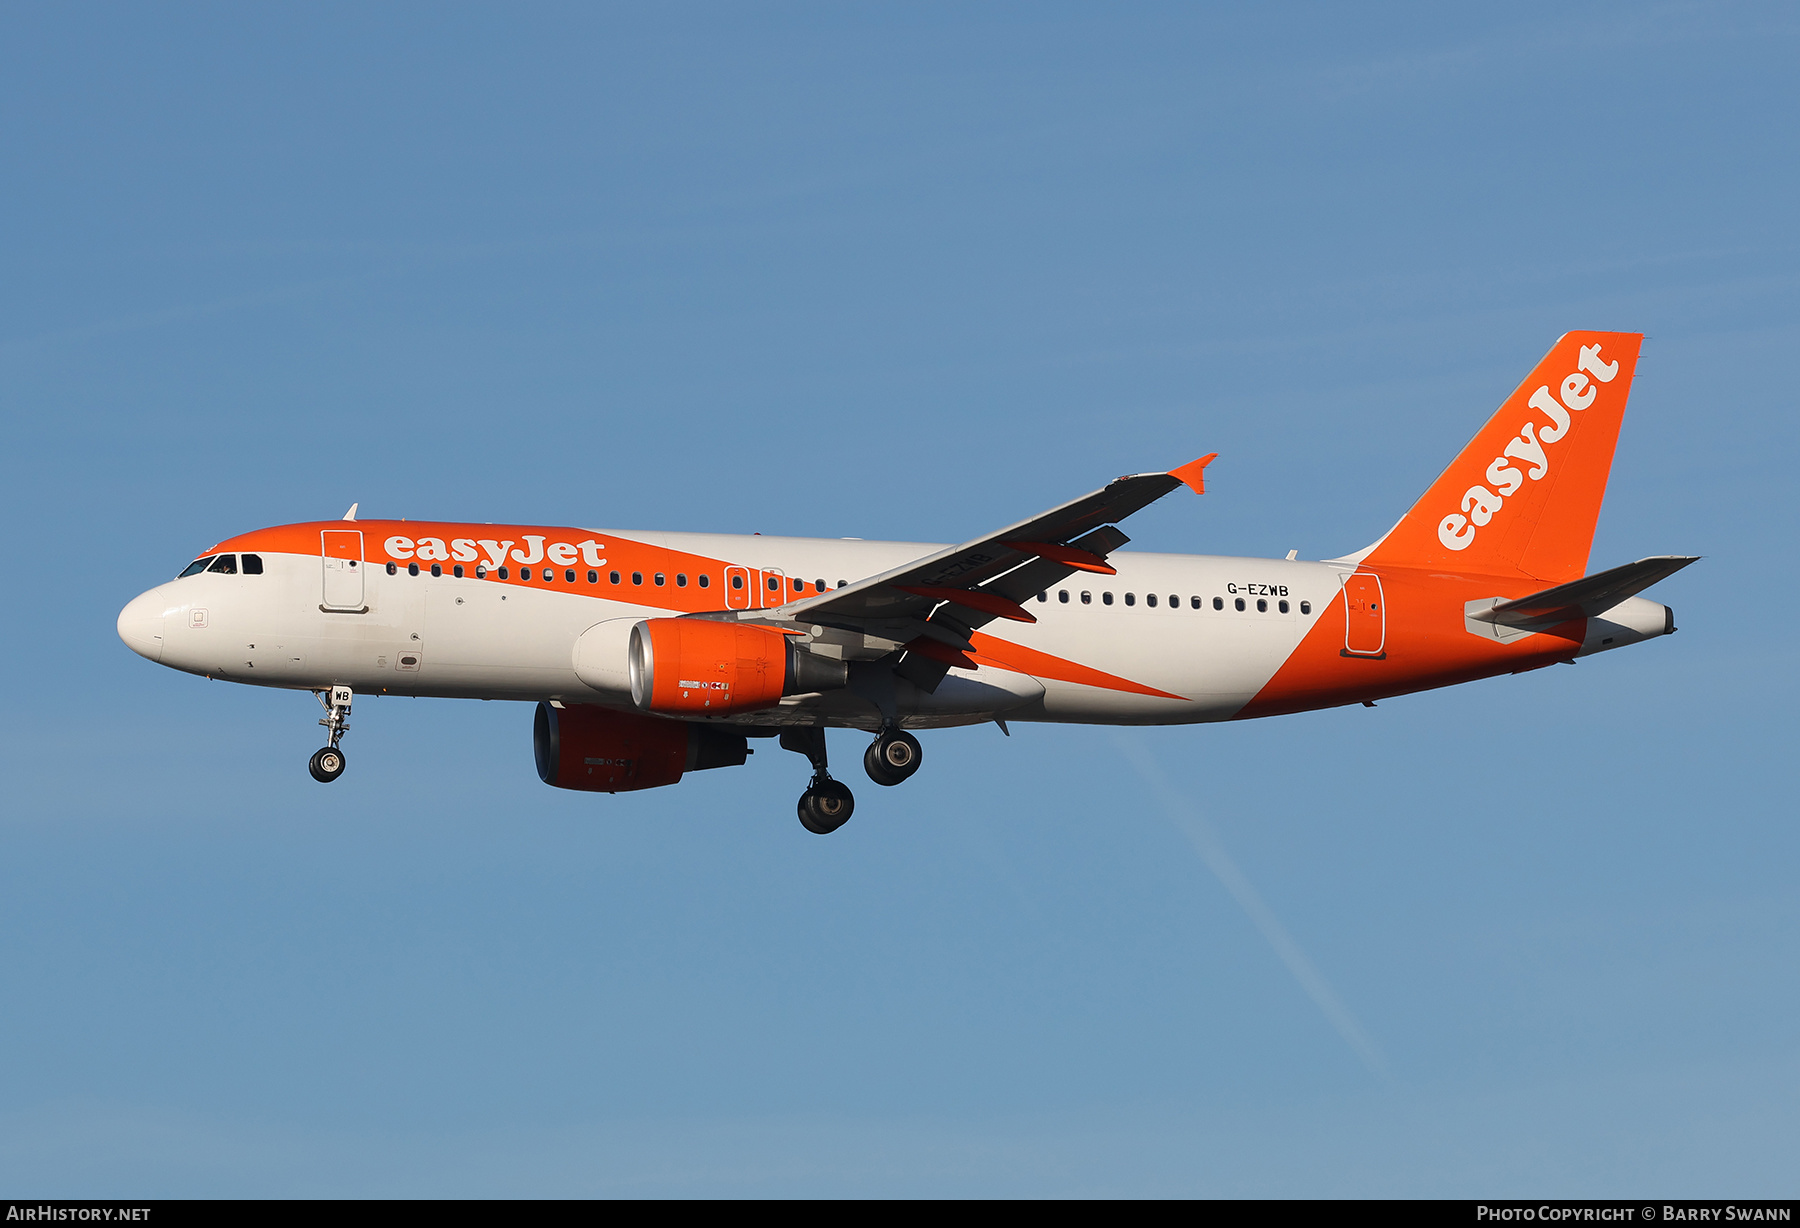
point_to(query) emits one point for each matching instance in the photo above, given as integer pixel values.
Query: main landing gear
(893, 756)
(327, 763)
(827, 804)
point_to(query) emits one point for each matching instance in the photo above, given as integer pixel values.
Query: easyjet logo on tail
(1480, 504)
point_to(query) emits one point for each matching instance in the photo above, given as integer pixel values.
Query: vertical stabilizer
(1523, 497)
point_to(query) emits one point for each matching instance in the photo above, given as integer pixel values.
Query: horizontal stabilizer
(1588, 596)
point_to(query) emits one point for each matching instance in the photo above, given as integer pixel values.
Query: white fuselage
(428, 635)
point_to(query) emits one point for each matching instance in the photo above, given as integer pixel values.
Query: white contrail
(1200, 834)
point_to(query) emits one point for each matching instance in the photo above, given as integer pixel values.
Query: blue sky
(907, 271)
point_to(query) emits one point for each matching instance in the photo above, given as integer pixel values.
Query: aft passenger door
(341, 552)
(1365, 616)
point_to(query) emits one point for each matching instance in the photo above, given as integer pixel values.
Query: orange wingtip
(1194, 472)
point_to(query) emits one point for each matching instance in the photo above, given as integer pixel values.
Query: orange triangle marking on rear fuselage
(1003, 654)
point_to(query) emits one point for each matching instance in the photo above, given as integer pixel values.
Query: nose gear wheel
(327, 763)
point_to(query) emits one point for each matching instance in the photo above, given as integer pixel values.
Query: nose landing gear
(827, 804)
(893, 756)
(327, 763)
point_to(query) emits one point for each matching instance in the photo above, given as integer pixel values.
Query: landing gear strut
(893, 756)
(827, 804)
(327, 763)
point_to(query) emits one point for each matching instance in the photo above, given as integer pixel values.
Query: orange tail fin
(1523, 497)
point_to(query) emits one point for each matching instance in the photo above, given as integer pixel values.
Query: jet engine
(602, 751)
(702, 667)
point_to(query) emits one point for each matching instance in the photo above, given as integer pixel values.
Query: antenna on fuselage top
(351, 514)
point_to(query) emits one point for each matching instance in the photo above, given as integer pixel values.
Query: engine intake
(702, 667)
(603, 751)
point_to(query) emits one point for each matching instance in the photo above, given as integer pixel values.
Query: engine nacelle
(703, 667)
(603, 751)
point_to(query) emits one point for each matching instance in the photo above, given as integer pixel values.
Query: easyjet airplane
(653, 654)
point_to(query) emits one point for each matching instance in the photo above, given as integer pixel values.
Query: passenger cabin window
(457, 571)
(1149, 599)
(819, 585)
(1130, 598)
(1106, 598)
(613, 577)
(252, 564)
(569, 575)
(1043, 597)
(1240, 604)
(480, 570)
(593, 577)
(637, 577)
(437, 569)
(681, 579)
(224, 565)
(1062, 595)
(705, 580)
(1087, 598)
(737, 582)
(1174, 602)
(1219, 603)
(393, 570)
(412, 569)
(1306, 607)
(843, 584)
(524, 573)
(1262, 606)
(774, 583)
(1196, 602)
(195, 568)
(660, 579)
(503, 573)
(1282, 606)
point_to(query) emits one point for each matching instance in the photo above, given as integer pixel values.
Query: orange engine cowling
(584, 747)
(702, 667)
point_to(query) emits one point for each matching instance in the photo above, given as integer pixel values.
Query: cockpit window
(252, 564)
(195, 568)
(224, 565)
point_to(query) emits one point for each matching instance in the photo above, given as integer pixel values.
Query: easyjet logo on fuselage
(1480, 504)
(469, 550)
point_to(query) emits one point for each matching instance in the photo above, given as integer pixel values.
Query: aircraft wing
(930, 605)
